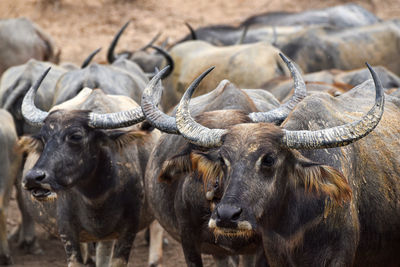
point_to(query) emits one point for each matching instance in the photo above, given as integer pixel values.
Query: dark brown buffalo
(84, 181)
(21, 40)
(315, 195)
(180, 196)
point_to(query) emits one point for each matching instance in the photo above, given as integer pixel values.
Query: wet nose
(33, 178)
(227, 216)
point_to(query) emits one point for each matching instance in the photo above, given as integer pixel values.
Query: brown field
(81, 26)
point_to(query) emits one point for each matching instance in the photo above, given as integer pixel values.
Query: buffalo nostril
(35, 175)
(236, 214)
(227, 215)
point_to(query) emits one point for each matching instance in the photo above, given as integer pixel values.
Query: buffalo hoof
(31, 247)
(6, 260)
(90, 263)
(76, 264)
(155, 264)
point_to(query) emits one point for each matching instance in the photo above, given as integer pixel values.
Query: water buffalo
(342, 16)
(123, 77)
(10, 166)
(16, 81)
(180, 196)
(247, 66)
(224, 35)
(346, 49)
(147, 62)
(315, 195)
(84, 180)
(334, 82)
(21, 40)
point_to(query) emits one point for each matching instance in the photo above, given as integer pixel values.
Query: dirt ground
(81, 26)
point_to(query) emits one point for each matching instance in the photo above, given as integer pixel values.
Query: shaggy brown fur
(326, 180)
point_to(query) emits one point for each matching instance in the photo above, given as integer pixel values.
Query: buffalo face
(259, 178)
(68, 150)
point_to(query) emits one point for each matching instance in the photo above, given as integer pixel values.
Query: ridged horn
(150, 98)
(188, 127)
(152, 41)
(116, 119)
(340, 135)
(110, 53)
(279, 114)
(192, 31)
(168, 58)
(31, 113)
(87, 61)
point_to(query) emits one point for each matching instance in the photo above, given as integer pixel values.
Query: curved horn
(116, 119)
(110, 53)
(192, 31)
(278, 115)
(340, 135)
(31, 113)
(168, 58)
(152, 41)
(150, 97)
(189, 128)
(87, 61)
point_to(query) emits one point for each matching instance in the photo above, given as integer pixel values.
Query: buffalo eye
(75, 137)
(268, 161)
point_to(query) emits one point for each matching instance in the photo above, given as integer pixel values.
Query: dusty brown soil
(81, 26)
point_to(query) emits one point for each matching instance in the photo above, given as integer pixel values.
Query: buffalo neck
(100, 179)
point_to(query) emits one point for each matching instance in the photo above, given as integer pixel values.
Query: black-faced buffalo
(182, 190)
(10, 166)
(315, 195)
(342, 16)
(21, 40)
(147, 62)
(346, 49)
(247, 66)
(84, 181)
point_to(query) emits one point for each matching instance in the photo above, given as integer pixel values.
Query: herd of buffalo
(266, 143)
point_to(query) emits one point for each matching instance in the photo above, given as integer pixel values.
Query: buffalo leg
(5, 257)
(156, 243)
(122, 249)
(103, 253)
(229, 261)
(24, 235)
(69, 238)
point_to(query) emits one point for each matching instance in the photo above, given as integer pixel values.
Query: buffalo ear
(323, 179)
(123, 138)
(30, 144)
(173, 167)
